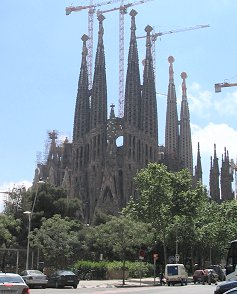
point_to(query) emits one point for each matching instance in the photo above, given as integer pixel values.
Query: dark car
(225, 286)
(62, 278)
(232, 291)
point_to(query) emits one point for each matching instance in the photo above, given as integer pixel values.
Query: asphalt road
(94, 288)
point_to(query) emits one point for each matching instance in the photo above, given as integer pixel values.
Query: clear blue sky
(40, 61)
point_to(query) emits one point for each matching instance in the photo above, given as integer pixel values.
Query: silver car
(12, 283)
(34, 278)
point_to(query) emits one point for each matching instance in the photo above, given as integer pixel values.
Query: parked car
(218, 269)
(176, 274)
(232, 291)
(13, 283)
(225, 286)
(199, 276)
(62, 278)
(34, 278)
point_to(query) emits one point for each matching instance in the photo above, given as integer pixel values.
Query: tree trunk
(124, 271)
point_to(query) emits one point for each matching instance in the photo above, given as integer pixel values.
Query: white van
(175, 273)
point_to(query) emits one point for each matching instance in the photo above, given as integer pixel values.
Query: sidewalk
(144, 282)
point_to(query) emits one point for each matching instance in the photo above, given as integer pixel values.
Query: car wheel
(75, 286)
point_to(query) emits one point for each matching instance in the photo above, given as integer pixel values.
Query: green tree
(123, 236)
(50, 200)
(9, 227)
(56, 238)
(168, 202)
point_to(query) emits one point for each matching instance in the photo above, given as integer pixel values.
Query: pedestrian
(162, 282)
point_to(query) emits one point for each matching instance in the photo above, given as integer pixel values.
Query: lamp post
(30, 213)
(28, 238)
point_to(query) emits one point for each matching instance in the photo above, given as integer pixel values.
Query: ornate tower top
(133, 13)
(171, 71)
(101, 29)
(84, 53)
(184, 88)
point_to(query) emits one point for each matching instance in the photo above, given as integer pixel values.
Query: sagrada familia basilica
(93, 166)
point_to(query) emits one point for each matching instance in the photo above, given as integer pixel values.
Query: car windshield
(11, 279)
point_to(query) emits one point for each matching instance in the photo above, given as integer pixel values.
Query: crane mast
(122, 11)
(91, 10)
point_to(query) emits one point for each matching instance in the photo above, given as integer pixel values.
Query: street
(110, 289)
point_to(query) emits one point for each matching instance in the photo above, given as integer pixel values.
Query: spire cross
(53, 135)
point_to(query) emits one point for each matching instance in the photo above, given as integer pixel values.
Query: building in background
(106, 151)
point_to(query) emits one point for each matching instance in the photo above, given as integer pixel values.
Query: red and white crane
(154, 37)
(91, 10)
(122, 11)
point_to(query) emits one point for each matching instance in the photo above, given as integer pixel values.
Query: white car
(34, 278)
(12, 283)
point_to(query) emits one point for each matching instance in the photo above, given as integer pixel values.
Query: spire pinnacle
(133, 13)
(184, 88)
(84, 39)
(148, 30)
(101, 29)
(171, 71)
(112, 114)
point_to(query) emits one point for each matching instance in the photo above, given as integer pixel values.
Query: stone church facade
(94, 167)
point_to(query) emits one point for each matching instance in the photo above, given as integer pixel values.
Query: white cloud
(220, 134)
(205, 103)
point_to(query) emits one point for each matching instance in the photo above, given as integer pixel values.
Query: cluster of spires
(93, 167)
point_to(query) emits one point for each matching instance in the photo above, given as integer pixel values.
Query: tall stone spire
(198, 167)
(99, 89)
(149, 105)
(185, 141)
(214, 178)
(81, 117)
(172, 124)
(132, 105)
(226, 178)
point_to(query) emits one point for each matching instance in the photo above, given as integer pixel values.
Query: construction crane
(218, 86)
(91, 10)
(154, 37)
(122, 11)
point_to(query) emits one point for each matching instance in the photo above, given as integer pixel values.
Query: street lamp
(28, 238)
(30, 213)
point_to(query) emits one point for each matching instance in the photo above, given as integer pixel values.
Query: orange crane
(154, 37)
(218, 86)
(91, 10)
(122, 11)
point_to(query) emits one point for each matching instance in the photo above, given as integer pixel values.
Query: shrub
(98, 270)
